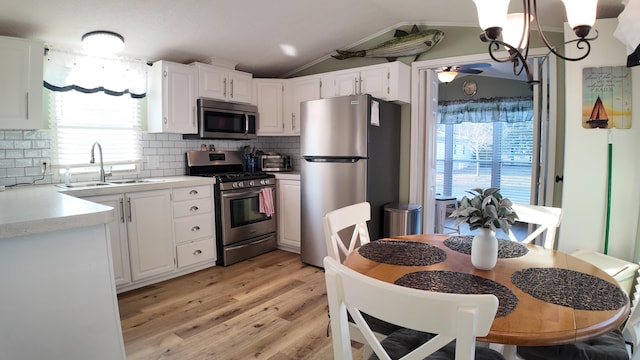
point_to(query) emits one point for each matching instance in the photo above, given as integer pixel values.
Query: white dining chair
(338, 220)
(545, 218)
(437, 318)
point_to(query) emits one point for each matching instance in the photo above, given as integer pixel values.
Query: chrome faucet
(103, 175)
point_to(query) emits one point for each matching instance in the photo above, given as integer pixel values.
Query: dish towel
(266, 201)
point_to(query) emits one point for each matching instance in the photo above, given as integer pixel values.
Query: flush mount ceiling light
(492, 15)
(102, 42)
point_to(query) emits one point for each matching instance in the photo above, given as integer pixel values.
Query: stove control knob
(252, 183)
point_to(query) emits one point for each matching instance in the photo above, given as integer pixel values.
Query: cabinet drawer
(195, 252)
(193, 207)
(193, 227)
(192, 192)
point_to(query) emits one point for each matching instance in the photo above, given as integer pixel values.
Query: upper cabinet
(269, 95)
(221, 83)
(302, 89)
(171, 100)
(390, 81)
(279, 101)
(21, 78)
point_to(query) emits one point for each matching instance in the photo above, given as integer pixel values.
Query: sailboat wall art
(606, 100)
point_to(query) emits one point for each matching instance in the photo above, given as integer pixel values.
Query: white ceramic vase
(484, 250)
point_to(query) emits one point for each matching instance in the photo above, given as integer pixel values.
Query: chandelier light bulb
(581, 15)
(513, 33)
(492, 15)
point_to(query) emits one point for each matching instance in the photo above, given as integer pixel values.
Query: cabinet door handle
(121, 210)
(193, 192)
(197, 252)
(195, 228)
(231, 94)
(194, 208)
(224, 87)
(129, 206)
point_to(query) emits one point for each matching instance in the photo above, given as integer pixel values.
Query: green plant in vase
(488, 211)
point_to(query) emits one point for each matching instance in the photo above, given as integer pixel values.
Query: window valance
(66, 70)
(514, 109)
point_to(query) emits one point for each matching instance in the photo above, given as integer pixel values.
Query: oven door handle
(246, 123)
(232, 195)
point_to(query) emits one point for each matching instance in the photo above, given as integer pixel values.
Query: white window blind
(78, 120)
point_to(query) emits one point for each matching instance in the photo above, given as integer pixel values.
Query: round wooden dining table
(546, 297)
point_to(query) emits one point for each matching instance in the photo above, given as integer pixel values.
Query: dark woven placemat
(453, 282)
(506, 248)
(569, 288)
(405, 253)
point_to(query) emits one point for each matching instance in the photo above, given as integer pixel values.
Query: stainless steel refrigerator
(350, 149)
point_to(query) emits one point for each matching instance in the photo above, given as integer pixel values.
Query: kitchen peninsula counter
(56, 271)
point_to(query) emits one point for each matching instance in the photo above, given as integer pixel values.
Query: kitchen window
(78, 120)
(94, 100)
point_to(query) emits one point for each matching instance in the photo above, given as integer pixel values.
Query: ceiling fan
(448, 73)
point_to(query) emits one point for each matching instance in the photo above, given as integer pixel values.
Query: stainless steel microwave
(225, 120)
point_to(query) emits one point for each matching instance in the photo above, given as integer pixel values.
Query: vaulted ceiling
(251, 33)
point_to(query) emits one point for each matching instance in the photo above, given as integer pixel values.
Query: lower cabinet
(288, 215)
(141, 234)
(118, 235)
(149, 226)
(193, 225)
(160, 234)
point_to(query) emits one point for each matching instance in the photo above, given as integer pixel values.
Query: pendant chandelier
(515, 30)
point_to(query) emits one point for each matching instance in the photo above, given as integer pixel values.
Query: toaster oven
(275, 162)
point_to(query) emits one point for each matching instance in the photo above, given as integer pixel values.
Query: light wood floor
(269, 307)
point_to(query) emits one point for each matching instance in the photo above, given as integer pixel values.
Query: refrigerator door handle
(333, 159)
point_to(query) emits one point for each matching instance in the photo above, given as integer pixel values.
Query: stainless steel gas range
(244, 204)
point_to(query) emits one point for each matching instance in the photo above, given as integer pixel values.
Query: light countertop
(35, 209)
(289, 175)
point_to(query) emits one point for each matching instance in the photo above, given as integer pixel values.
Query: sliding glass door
(484, 148)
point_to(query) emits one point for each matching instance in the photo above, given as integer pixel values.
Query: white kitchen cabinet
(389, 81)
(215, 82)
(269, 95)
(141, 234)
(194, 225)
(302, 89)
(150, 232)
(118, 235)
(171, 100)
(21, 83)
(289, 215)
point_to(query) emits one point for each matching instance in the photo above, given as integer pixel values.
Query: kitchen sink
(83, 185)
(134, 181)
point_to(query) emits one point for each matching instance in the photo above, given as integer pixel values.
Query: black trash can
(402, 219)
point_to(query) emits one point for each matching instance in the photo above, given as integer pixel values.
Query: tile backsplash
(23, 151)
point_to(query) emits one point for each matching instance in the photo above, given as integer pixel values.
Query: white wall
(585, 171)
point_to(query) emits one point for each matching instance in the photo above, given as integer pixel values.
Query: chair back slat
(545, 218)
(337, 221)
(451, 316)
